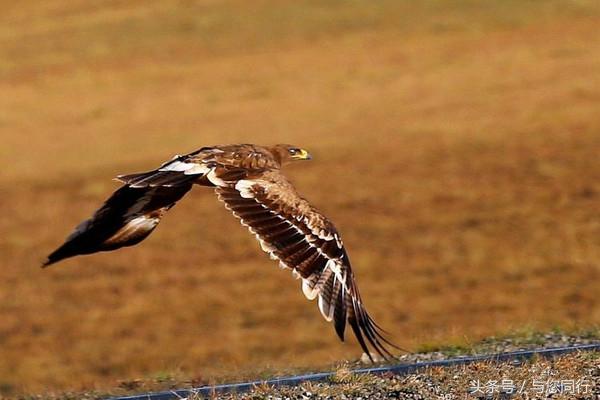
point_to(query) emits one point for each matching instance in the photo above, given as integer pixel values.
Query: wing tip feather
(46, 263)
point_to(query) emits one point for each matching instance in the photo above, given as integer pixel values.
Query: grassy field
(456, 146)
(562, 378)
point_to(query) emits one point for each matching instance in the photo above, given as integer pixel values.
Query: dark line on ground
(400, 369)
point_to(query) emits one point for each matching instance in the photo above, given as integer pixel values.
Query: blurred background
(455, 144)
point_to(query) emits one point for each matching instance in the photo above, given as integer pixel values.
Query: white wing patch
(214, 179)
(309, 292)
(245, 188)
(188, 168)
(143, 222)
(327, 306)
(198, 169)
(178, 166)
(327, 314)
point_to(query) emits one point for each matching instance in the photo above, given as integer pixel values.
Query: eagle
(247, 178)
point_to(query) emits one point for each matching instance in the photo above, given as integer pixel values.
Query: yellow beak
(302, 155)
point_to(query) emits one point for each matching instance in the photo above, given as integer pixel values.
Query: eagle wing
(134, 210)
(126, 218)
(302, 239)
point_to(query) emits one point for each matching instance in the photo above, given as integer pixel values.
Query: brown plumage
(248, 180)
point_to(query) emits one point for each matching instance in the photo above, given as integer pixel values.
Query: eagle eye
(293, 151)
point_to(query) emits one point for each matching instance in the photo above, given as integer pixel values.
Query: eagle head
(285, 153)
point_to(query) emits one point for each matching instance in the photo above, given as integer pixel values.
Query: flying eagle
(248, 180)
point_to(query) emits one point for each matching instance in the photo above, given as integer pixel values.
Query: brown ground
(455, 145)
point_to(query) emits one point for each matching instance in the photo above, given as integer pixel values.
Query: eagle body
(247, 178)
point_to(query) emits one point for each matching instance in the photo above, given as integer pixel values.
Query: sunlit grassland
(455, 146)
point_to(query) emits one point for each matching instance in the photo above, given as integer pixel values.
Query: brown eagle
(248, 179)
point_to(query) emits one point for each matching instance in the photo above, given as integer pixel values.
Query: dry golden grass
(456, 146)
(571, 376)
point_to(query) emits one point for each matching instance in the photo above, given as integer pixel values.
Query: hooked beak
(302, 155)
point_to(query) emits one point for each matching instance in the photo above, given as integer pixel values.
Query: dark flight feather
(139, 209)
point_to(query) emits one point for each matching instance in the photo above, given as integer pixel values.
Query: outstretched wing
(302, 239)
(128, 216)
(134, 210)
